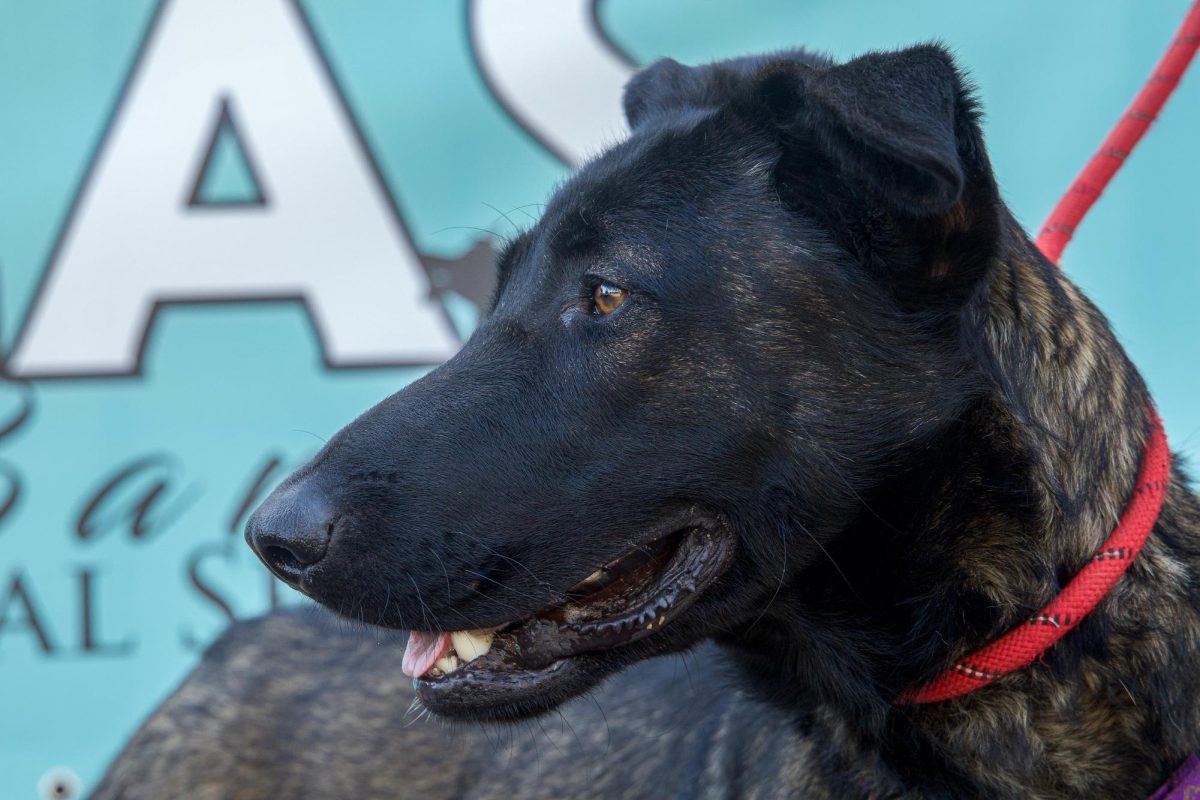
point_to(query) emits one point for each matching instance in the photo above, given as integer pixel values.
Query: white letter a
(322, 229)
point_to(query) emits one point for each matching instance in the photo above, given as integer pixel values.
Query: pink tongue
(422, 651)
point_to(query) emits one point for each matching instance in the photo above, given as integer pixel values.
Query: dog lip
(533, 653)
(669, 583)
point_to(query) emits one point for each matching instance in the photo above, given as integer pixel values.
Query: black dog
(780, 371)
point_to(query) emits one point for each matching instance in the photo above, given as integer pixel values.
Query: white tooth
(471, 646)
(596, 576)
(446, 664)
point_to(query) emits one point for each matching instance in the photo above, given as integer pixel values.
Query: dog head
(722, 334)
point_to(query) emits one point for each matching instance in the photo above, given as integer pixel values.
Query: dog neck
(980, 531)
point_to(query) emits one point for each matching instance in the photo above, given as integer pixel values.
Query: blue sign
(229, 226)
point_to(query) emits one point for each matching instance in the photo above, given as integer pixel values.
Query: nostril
(295, 550)
(282, 558)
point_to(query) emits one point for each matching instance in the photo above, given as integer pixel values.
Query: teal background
(227, 386)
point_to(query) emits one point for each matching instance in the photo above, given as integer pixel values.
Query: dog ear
(666, 86)
(895, 121)
(886, 149)
(663, 84)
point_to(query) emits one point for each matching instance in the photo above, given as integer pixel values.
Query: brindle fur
(980, 472)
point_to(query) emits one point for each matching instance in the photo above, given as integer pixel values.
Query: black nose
(290, 531)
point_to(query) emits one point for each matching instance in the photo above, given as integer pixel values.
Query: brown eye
(607, 298)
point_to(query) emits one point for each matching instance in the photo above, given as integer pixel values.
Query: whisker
(836, 566)
(386, 599)
(571, 728)
(507, 218)
(509, 589)
(607, 729)
(509, 559)
(778, 586)
(445, 574)
(547, 736)
(488, 231)
(426, 613)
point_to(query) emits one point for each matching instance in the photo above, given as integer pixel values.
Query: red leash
(1021, 646)
(1086, 189)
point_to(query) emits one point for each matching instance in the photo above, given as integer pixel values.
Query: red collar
(1021, 646)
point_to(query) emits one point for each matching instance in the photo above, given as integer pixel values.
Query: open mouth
(463, 673)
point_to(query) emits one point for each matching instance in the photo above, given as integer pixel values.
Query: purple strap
(1184, 784)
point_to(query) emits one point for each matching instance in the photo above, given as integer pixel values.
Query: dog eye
(607, 298)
